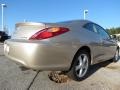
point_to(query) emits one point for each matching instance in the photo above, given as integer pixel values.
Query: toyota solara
(66, 46)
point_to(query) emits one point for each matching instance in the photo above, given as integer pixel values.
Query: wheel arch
(86, 48)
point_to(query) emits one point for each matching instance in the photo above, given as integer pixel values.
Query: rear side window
(90, 27)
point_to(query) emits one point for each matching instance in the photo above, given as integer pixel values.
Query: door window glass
(101, 31)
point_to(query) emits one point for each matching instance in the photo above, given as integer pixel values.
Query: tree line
(114, 30)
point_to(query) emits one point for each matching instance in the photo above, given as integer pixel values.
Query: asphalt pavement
(103, 76)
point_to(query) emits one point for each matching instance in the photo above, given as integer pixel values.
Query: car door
(95, 43)
(108, 45)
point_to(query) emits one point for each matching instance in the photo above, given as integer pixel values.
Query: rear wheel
(80, 66)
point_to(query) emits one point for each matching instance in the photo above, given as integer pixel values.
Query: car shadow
(98, 66)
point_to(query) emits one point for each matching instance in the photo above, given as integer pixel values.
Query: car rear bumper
(42, 56)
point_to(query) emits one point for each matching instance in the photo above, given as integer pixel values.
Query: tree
(114, 30)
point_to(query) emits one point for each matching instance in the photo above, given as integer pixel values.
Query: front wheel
(81, 65)
(116, 56)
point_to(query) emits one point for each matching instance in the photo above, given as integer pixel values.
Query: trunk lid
(27, 29)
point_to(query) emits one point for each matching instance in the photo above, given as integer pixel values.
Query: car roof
(80, 22)
(74, 21)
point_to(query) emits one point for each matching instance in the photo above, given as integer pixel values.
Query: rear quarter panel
(76, 38)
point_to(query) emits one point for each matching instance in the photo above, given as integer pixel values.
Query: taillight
(49, 32)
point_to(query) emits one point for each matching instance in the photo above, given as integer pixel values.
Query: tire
(81, 65)
(116, 56)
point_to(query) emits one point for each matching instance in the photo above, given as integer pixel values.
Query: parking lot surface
(103, 76)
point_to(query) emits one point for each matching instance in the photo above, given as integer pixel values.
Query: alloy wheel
(117, 55)
(82, 65)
